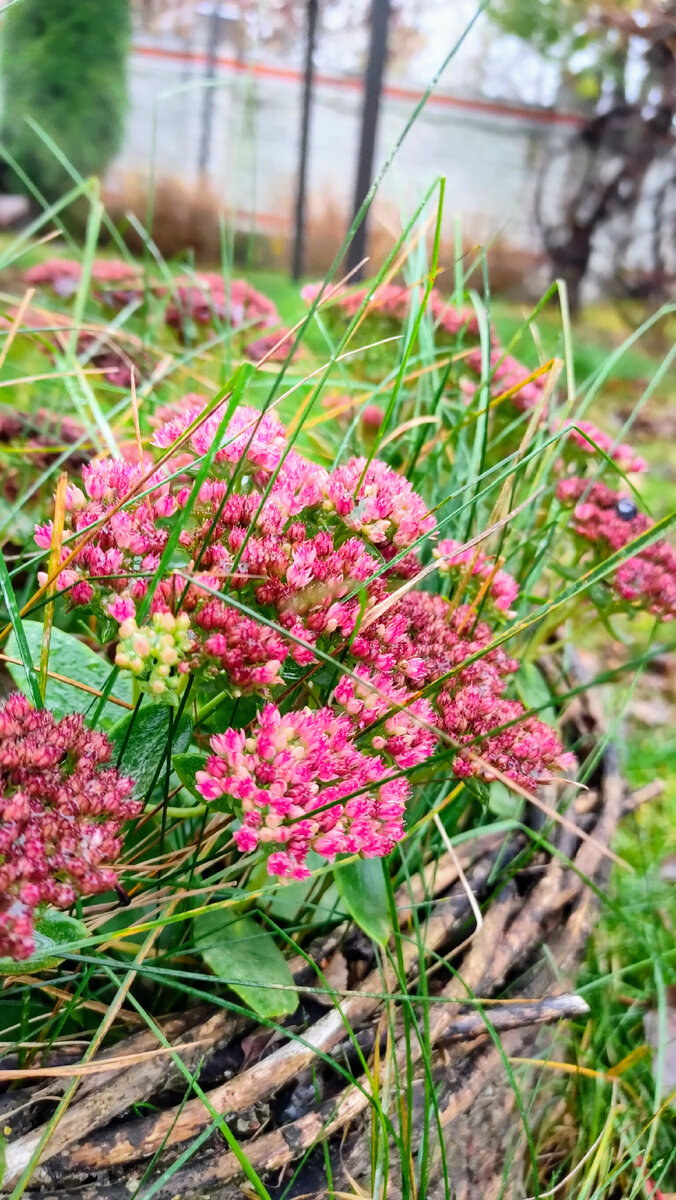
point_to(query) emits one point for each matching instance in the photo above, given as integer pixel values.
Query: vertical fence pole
(306, 108)
(373, 83)
(213, 38)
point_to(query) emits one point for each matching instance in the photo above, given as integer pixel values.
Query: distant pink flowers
(470, 565)
(585, 437)
(60, 817)
(392, 302)
(62, 275)
(203, 300)
(209, 298)
(608, 521)
(300, 783)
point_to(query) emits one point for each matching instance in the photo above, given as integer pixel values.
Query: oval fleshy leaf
(246, 957)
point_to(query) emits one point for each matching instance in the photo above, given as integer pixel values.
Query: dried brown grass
(189, 216)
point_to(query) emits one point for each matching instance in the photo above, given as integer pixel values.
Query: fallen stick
(142, 1137)
(126, 1086)
(281, 1146)
(503, 942)
(474, 1025)
(479, 971)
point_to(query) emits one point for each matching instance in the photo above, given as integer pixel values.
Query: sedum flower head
(607, 521)
(581, 435)
(378, 503)
(60, 817)
(299, 783)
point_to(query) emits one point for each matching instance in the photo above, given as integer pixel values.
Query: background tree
(612, 188)
(63, 63)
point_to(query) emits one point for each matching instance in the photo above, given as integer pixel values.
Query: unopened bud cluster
(156, 654)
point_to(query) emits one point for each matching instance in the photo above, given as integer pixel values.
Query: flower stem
(177, 812)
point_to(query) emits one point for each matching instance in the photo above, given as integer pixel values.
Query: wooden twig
(116, 1090)
(473, 1025)
(142, 1137)
(643, 795)
(281, 1146)
(125, 1086)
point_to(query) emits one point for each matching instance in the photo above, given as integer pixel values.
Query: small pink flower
(43, 535)
(121, 608)
(375, 501)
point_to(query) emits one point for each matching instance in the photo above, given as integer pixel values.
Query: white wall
(489, 154)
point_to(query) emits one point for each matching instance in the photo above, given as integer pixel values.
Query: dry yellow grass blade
(83, 687)
(78, 1070)
(54, 560)
(16, 324)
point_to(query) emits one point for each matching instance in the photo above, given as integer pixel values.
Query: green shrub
(64, 64)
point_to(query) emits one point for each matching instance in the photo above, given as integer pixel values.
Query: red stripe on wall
(543, 116)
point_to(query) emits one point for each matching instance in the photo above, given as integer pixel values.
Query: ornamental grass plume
(62, 810)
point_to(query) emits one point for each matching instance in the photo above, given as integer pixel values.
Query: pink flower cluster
(471, 566)
(60, 817)
(63, 275)
(607, 520)
(128, 543)
(274, 347)
(622, 454)
(116, 366)
(300, 783)
(422, 640)
(403, 733)
(208, 298)
(392, 301)
(507, 375)
(377, 503)
(305, 578)
(203, 299)
(528, 752)
(256, 439)
(306, 566)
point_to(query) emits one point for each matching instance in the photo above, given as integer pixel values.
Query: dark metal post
(213, 38)
(373, 83)
(301, 190)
